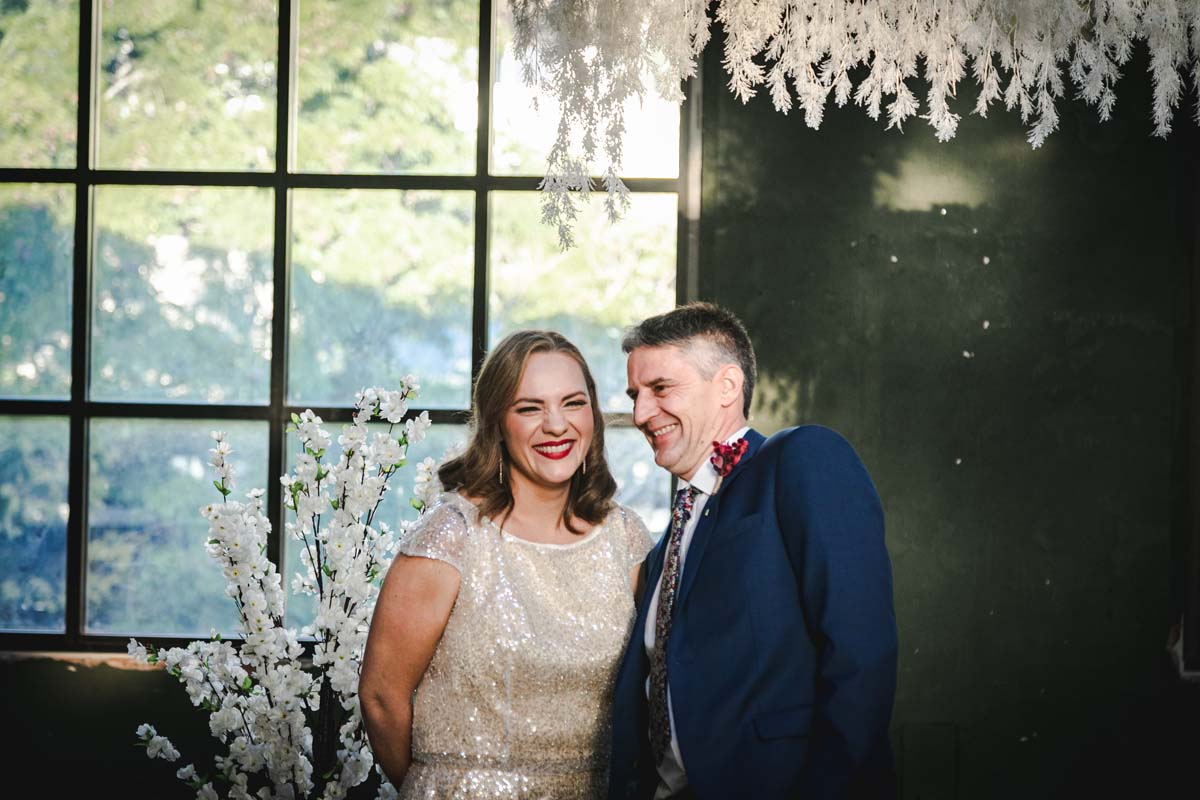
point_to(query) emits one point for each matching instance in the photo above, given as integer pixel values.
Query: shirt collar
(705, 479)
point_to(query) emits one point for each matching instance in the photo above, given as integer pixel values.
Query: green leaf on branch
(325, 569)
(246, 684)
(295, 418)
(335, 503)
(418, 504)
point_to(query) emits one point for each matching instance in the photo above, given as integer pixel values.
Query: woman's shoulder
(448, 506)
(628, 524)
(443, 531)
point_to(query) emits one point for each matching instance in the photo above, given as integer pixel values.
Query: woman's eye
(577, 404)
(526, 409)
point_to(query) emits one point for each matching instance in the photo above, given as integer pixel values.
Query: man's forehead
(649, 363)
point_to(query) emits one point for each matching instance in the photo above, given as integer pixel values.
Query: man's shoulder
(807, 441)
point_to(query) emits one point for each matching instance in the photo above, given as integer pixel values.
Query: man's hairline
(689, 345)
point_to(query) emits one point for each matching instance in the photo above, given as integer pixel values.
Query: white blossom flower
(161, 747)
(259, 696)
(426, 486)
(592, 57)
(137, 651)
(393, 406)
(417, 427)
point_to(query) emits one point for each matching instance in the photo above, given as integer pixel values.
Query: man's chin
(665, 460)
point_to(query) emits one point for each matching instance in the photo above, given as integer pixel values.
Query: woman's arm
(410, 616)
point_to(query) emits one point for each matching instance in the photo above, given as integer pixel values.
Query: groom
(763, 660)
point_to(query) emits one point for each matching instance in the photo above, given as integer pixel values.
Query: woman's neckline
(582, 539)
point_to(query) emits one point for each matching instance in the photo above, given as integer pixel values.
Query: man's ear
(730, 379)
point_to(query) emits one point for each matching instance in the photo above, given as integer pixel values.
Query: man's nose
(643, 409)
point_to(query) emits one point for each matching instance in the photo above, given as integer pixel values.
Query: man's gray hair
(712, 335)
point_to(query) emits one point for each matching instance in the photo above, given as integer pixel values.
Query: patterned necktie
(660, 719)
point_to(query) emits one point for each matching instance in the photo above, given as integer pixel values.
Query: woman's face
(548, 427)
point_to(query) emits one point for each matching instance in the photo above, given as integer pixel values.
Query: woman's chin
(556, 477)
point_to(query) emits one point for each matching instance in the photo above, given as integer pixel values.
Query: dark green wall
(1032, 489)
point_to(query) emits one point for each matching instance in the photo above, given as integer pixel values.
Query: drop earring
(501, 470)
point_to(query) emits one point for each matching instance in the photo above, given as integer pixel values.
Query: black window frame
(282, 180)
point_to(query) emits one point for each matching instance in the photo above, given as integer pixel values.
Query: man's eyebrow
(653, 384)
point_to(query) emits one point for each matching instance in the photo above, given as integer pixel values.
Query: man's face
(674, 406)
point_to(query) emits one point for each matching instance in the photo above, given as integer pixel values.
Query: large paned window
(215, 213)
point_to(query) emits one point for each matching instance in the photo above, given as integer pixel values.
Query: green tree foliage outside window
(182, 290)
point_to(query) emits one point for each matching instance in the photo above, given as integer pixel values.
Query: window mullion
(285, 127)
(479, 296)
(76, 579)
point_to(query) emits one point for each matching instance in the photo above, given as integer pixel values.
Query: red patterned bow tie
(726, 456)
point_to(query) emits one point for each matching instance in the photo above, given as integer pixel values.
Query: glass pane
(36, 257)
(381, 287)
(641, 484)
(181, 298)
(183, 84)
(388, 87)
(146, 539)
(39, 48)
(522, 136)
(394, 508)
(616, 275)
(33, 523)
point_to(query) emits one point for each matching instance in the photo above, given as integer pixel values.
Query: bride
(492, 653)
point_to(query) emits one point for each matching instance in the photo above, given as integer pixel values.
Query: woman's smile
(555, 450)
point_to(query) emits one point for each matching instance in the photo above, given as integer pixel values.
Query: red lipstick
(558, 454)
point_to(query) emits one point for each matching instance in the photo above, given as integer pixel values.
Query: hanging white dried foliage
(591, 56)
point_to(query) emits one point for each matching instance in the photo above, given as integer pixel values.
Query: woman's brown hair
(475, 473)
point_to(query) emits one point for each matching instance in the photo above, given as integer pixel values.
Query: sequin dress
(515, 703)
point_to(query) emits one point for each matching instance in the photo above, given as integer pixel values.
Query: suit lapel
(708, 519)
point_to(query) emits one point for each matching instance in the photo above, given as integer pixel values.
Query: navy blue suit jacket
(782, 654)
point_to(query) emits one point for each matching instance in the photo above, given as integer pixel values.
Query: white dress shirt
(671, 776)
